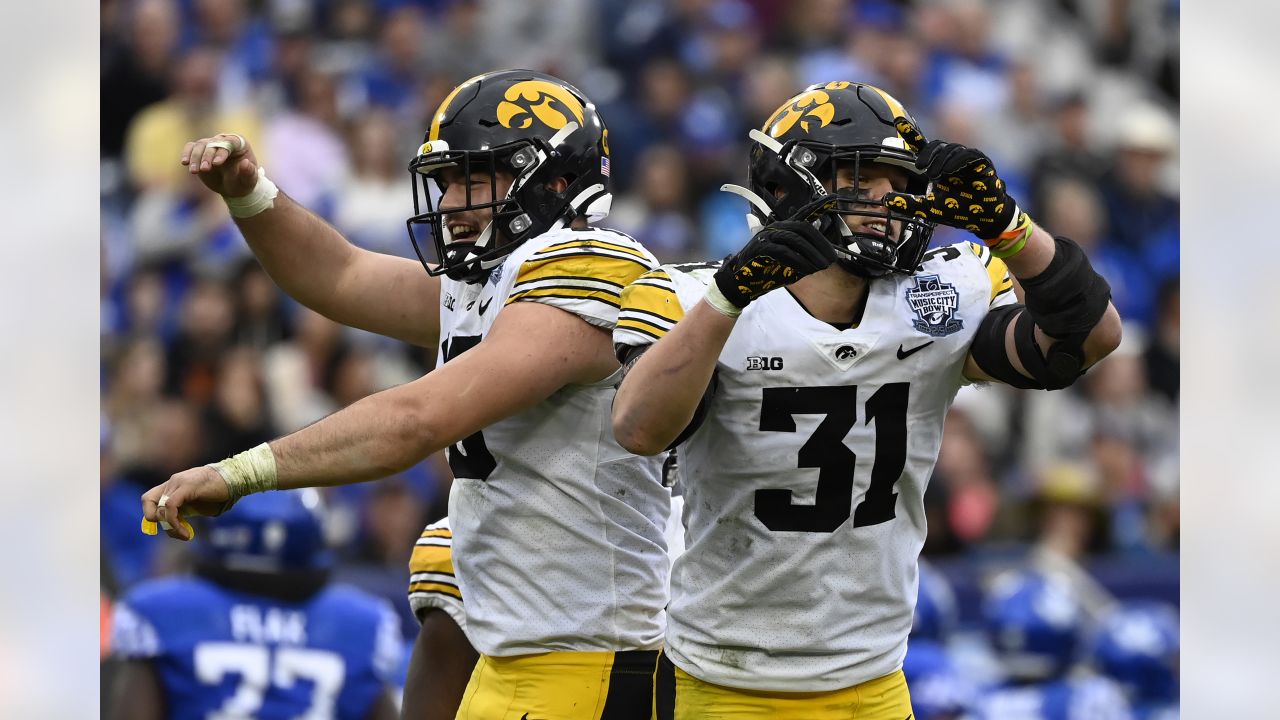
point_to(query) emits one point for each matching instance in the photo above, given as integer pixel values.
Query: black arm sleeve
(988, 348)
(629, 354)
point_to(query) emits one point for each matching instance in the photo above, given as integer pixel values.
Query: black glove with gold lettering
(966, 192)
(779, 254)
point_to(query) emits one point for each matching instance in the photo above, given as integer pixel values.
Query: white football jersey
(804, 484)
(559, 531)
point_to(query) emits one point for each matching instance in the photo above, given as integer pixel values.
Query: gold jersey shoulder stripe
(997, 270)
(582, 275)
(648, 330)
(649, 317)
(436, 588)
(613, 270)
(545, 280)
(658, 274)
(431, 558)
(998, 274)
(653, 299)
(592, 243)
(558, 293)
(436, 532)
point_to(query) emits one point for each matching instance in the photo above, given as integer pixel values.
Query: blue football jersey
(1082, 698)
(225, 654)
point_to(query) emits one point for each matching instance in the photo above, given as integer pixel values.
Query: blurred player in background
(560, 530)
(936, 616)
(940, 689)
(834, 343)
(257, 631)
(1137, 645)
(1037, 624)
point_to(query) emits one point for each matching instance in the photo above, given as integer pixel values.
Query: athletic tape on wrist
(262, 197)
(252, 471)
(717, 300)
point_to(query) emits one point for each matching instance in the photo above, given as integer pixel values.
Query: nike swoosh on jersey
(485, 305)
(904, 354)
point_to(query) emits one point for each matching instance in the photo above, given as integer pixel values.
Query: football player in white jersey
(560, 550)
(806, 379)
(443, 658)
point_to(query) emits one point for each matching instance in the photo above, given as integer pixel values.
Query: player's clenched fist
(224, 163)
(966, 191)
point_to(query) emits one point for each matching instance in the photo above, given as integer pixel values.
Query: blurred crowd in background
(202, 356)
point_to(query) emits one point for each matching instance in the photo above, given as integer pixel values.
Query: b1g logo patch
(934, 303)
(758, 362)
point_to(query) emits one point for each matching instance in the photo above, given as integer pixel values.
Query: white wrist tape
(252, 471)
(717, 300)
(262, 197)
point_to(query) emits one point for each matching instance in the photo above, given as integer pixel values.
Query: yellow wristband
(1011, 242)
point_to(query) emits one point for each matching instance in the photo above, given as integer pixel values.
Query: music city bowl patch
(934, 302)
(496, 274)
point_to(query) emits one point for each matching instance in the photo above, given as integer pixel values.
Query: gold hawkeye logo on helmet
(812, 110)
(539, 100)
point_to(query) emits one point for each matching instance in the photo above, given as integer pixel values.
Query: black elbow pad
(1056, 371)
(988, 348)
(1069, 297)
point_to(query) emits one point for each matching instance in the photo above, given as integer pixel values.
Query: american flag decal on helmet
(604, 165)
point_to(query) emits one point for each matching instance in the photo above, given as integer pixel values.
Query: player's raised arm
(1068, 322)
(308, 258)
(664, 387)
(389, 431)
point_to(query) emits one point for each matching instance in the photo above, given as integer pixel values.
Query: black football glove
(779, 254)
(967, 193)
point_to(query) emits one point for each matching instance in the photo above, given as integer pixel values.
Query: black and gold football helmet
(793, 163)
(535, 127)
